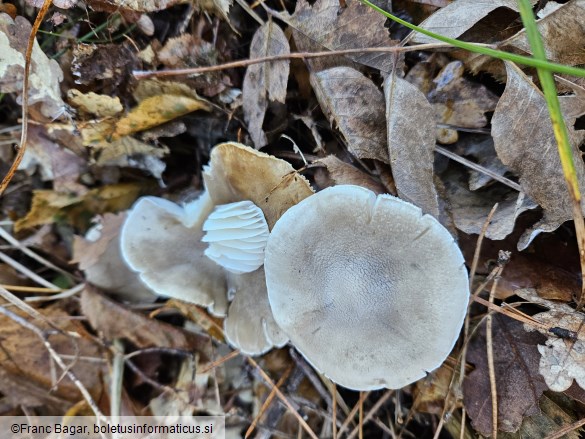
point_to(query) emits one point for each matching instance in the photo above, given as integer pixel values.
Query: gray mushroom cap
(372, 292)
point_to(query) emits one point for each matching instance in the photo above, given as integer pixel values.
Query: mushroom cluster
(372, 292)
(167, 245)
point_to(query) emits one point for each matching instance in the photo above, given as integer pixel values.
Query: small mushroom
(236, 234)
(372, 292)
(162, 241)
(99, 256)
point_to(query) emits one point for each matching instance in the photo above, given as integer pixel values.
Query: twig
(29, 273)
(116, 379)
(43, 335)
(372, 411)
(25, 89)
(334, 411)
(219, 361)
(567, 429)
(268, 401)
(478, 168)
(503, 259)
(11, 298)
(361, 416)
(23, 248)
(286, 402)
(62, 295)
(463, 355)
(351, 415)
(141, 74)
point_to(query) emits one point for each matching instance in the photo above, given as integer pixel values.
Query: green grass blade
(476, 48)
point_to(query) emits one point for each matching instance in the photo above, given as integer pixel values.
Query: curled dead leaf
(411, 143)
(45, 74)
(264, 82)
(356, 105)
(519, 385)
(525, 143)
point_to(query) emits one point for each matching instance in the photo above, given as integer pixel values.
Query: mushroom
(372, 292)
(162, 241)
(236, 234)
(165, 241)
(99, 255)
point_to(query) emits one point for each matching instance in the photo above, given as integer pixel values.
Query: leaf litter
(98, 138)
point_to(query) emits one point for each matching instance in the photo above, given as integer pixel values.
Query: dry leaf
(45, 74)
(525, 143)
(189, 50)
(458, 101)
(470, 209)
(55, 162)
(356, 105)
(95, 104)
(264, 82)
(155, 111)
(549, 281)
(344, 173)
(411, 143)
(218, 7)
(130, 152)
(459, 16)
(326, 24)
(104, 65)
(562, 359)
(555, 414)
(23, 357)
(518, 382)
(49, 206)
(563, 33)
(484, 155)
(115, 321)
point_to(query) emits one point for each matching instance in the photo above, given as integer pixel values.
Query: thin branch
(283, 398)
(141, 74)
(25, 90)
(478, 168)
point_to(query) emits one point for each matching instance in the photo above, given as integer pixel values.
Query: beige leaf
(563, 34)
(411, 143)
(327, 25)
(525, 143)
(357, 106)
(265, 81)
(461, 15)
(48, 206)
(133, 153)
(45, 73)
(95, 104)
(155, 111)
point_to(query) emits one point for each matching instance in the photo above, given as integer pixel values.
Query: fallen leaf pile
(131, 99)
